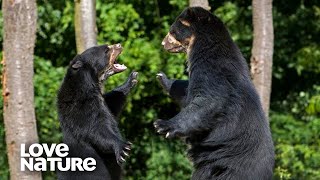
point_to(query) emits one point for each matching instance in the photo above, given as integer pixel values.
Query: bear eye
(107, 49)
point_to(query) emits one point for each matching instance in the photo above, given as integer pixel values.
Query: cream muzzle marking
(171, 40)
(173, 45)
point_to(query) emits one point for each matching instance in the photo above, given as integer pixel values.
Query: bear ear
(190, 13)
(198, 14)
(77, 65)
(203, 15)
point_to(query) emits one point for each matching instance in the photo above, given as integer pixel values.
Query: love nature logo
(55, 159)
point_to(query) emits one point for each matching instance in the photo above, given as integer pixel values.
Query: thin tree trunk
(262, 50)
(202, 3)
(19, 24)
(85, 24)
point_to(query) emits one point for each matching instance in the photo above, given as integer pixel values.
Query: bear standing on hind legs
(88, 118)
(221, 117)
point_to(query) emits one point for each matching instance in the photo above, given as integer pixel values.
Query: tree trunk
(85, 24)
(202, 3)
(19, 23)
(262, 50)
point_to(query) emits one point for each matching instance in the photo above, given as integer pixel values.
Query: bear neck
(213, 51)
(208, 47)
(76, 87)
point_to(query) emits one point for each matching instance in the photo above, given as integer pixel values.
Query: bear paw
(122, 151)
(129, 84)
(164, 81)
(167, 128)
(133, 79)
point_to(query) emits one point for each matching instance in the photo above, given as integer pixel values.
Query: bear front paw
(122, 151)
(167, 128)
(133, 79)
(129, 84)
(164, 81)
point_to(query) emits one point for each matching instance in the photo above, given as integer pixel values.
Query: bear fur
(221, 117)
(88, 118)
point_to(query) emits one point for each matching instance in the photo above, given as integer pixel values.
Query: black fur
(221, 116)
(88, 118)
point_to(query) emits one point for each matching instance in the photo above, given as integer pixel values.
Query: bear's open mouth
(113, 63)
(176, 49)
(113, 66)
(118, 67)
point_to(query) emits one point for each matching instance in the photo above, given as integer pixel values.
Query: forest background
(140, 26)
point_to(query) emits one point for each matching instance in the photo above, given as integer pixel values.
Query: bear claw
(122, 159)
(155, 125)
(126, 154)
(167, 135)
(134, 81)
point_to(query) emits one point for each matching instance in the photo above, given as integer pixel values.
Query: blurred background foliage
(140, 26)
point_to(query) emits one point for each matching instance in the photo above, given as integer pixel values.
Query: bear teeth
(120, 66)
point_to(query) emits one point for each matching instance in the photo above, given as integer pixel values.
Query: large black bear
(221, 117)
(88, 118)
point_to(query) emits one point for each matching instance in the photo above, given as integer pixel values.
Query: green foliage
(128, 24)
(4, 171)
(297, 36)
(297, 147)
(139, 26)
(308, 59)
(296, 135)
(235, 16)
(55, 33)
(168, 162)
(178, 4)
(314, 105)
(303, 104)
(47, 81)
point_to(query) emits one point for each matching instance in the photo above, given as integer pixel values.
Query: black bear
(88, 118)
(221, 117)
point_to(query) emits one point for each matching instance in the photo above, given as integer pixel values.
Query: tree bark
(262, 50)
(85, 24)
(202, 3)
(19, 23)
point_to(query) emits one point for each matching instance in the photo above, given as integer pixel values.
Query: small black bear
(88, 118)
(221, 118)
